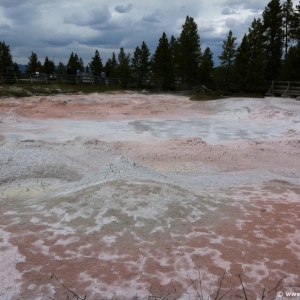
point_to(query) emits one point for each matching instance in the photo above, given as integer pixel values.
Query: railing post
(272, 88)
(287, 91)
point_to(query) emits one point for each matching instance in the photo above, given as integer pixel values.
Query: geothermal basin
(140, 196)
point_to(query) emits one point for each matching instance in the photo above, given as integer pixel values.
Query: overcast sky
(55, 28)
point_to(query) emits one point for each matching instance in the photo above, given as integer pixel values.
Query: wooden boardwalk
(61, 78)
(284, 89)
(278, 88)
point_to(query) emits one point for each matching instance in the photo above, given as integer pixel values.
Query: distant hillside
(22, 68)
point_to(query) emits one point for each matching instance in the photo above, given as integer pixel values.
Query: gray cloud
(22, 14)
(122, 9)
(104, 40)
(231, 22)
(57, 40)
(256, 5)
(227, 11)
(155, 17)
(12, 3)
(4, 27)
(93, 17)
(205, 27)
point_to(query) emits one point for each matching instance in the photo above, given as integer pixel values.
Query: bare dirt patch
(126, 195)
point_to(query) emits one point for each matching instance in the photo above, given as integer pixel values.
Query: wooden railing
(284, 89)
(83, 78)
(56, 78)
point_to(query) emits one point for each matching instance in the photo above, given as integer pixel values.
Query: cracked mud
(127, 195)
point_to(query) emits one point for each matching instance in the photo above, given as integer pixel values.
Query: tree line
(270, 50)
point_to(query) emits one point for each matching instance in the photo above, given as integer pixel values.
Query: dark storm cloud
(122, 9)
(12, 3)
(57, 40)
(4, 27)
(22, 13)
(105, 40)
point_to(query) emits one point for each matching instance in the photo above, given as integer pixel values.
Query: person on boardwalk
(103, 77)
(37, 71)
(78, 75)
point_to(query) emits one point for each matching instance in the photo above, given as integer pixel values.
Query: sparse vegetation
(222, 94)
(214, 293)
(28, 89)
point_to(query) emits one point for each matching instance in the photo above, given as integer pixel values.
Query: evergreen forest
(270, 50)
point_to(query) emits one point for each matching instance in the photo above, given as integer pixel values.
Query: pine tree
(140, 64)
(75, 63)
(288, 23)
(33, 63)
(174, 47)
(207, 69)
(136, 65)
(6, 63)
(174, 44)
(257, 57)
(273, 38)
(71, 65)
(295, 25)
(48, 67)
(146, 63)
(108, 67)
(81, 65)
(96, 63)
(15, 68)
(227, 58)
(189, 52)
(61, 69)
(291, 64)
(241, 63)
(111, 66)
(123, 67)
(162, 63)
